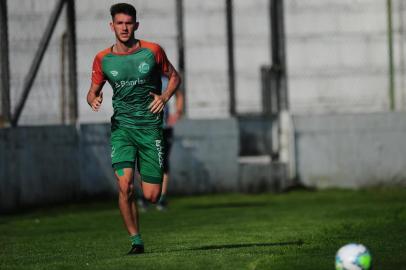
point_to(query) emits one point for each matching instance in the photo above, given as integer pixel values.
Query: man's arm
(173, 83)
(95, 96)
(179, 107)
(179, 104)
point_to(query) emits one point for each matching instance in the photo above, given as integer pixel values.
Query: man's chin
(124, 40)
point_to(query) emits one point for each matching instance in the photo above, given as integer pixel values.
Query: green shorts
(143, 146)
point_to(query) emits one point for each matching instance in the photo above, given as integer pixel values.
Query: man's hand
(158, 104)
(173, 118)
(96, 103)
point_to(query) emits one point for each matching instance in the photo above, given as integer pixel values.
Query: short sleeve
(162, 60)
(97, 72)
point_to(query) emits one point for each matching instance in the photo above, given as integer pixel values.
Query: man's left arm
(174, 81)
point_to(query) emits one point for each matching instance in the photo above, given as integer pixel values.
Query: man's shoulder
(103, 53)
(155, 47)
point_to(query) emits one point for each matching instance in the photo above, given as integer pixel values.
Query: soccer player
(133, 67)
(170, 120)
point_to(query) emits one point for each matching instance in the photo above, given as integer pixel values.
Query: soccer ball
(353, 257)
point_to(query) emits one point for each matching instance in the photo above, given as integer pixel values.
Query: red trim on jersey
(97, 72)
(159, 53)
(131, 51)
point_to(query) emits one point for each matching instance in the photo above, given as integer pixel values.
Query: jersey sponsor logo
(143, 67)
(138, 81)
(114, 73)
(160, 153)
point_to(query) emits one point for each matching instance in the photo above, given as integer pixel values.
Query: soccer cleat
(162, 205)
(136, 249)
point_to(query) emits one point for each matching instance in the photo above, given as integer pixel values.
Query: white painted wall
(27, 21)
(337, 54)
(252, 50)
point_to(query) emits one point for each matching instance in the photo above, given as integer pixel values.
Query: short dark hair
(123, 8)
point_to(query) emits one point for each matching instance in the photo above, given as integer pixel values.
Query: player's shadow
(231, 246)
(227, 205)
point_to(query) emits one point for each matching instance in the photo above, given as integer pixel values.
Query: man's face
(123, 26)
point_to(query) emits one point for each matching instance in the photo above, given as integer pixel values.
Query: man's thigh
(123, 150)
(150, 155)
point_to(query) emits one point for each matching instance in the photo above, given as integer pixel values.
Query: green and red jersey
(132, 75)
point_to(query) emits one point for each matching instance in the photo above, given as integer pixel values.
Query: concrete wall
(96, 175)
(44, 165)
(204, 157)
(41, 165)
(38, 165)
(337, 54)
(255, 136)
(351, 150)
(27, 22)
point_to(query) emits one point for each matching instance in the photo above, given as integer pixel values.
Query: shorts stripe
(124, 164)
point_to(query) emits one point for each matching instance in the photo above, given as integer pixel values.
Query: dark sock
(139, 194)
(162, 199)
(136, 240)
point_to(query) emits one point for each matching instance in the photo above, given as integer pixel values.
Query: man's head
(124, 21)
(123, 8)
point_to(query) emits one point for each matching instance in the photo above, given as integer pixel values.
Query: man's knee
(152, 196)
(126, 192)
(126, 189)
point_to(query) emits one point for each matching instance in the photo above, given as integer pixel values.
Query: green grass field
(296, 230)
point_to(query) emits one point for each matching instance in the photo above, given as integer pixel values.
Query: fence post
(73, 84)
(230, 51)
(5, 114)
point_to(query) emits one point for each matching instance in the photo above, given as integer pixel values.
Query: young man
(134, 68)
(170, 120)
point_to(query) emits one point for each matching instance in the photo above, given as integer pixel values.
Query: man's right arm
(95, 96)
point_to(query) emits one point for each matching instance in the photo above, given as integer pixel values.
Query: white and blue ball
(353, 257)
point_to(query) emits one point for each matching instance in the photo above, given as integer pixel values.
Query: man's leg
(151, 191)
(139, 196)
(150, 161)
(167, 141)
(162, 202)
(128, 208)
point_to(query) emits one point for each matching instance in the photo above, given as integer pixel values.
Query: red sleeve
(97, 71)
(162, 60)
(160, 56)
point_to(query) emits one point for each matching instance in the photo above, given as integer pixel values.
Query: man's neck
(121, 47)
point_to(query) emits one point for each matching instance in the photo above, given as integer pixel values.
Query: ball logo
(143, 67)
(114, 73)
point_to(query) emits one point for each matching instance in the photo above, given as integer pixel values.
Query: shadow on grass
(229, 246)
(234, 246)
(227, 205)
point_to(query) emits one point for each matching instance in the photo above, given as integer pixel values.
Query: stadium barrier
(351, 150)
(51, 164)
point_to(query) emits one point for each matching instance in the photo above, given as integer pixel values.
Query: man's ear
(137, 24)
(111, 26)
